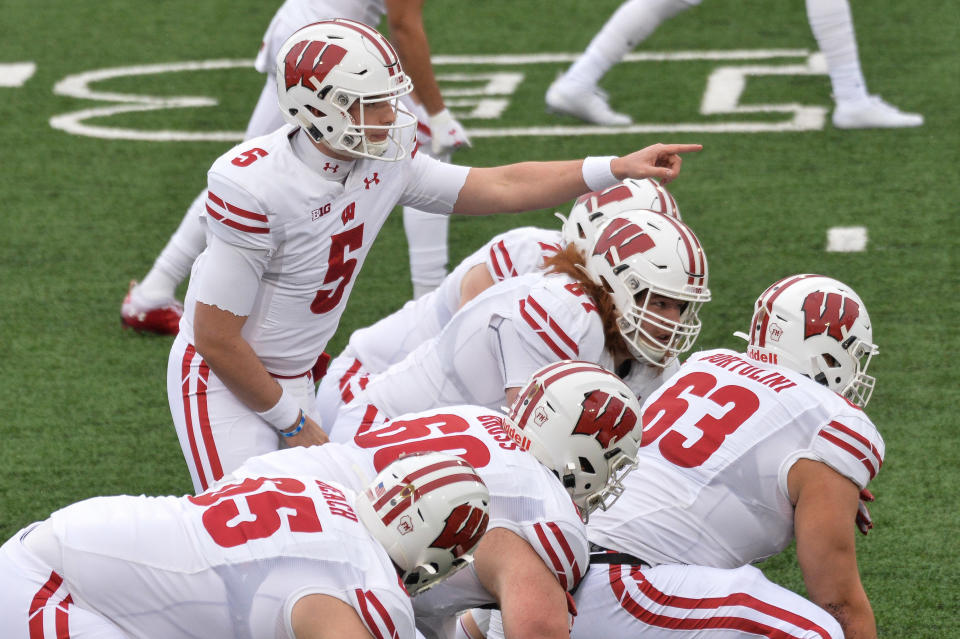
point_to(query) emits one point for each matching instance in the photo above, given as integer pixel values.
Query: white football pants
(217, 431)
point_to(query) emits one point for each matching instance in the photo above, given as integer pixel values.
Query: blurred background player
(151, 306)
(560, 453)
(577, 93)
(629, 303)
(310, 559)
(291, 217)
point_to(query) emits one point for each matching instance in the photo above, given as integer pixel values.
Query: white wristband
(597, 173)
(283, 414)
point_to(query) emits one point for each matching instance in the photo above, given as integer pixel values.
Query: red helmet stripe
(768, 305)
(384, 47)
(548, 377)
(427, 488)
(694, 251)
(409, 479)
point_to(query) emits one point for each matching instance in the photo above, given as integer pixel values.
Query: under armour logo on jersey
(308, 62)
(331, 168)
(374, 180)
(829, 313)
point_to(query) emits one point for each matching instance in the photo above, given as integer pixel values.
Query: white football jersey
(494, 342)
(720, 435)
(229, 562)
(525, 497)
(515, 252)
(294, 14)
(313, 235)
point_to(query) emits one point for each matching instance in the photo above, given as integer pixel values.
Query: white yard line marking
(847, 239)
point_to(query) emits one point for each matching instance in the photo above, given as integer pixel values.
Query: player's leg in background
(150, 305)
(576, 92)
(693, 602)
(427, 242)
(832, 26)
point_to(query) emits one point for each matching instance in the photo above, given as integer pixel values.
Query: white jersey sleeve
(554, 321)
(236, 216)
(433, 186)
(850, 445)
(519, 251)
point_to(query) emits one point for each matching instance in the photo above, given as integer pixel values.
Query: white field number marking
(846, 239)
(479, 97)
(16, 74)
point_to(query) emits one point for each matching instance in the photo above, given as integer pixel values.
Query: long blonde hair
(571, 262)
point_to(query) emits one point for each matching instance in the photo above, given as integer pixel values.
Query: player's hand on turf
(311, 435)
(864, 521)
(661, 161)
(446, 134)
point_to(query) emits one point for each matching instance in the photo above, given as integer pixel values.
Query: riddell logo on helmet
(521, 440)
(760, 356)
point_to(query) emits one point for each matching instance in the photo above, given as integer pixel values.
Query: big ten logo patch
(316, 214)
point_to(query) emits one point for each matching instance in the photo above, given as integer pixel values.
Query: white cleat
(588, 103)
(872, 113)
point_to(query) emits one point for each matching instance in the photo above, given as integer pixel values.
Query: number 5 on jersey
(339, 269)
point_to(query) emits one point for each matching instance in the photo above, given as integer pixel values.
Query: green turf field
(83, 407)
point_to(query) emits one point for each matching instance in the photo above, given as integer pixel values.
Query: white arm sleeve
(229, 276)
(433, 186)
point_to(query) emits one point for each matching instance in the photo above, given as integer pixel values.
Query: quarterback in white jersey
(578, 422)
(150, 305)
(291, 216)
(742, 453)
(283, 556)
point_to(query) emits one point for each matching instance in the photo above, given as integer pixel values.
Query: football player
(280, 556)
(576, 92)
(630, 304)
(150, 306)
(741, 454)
(581, 424)
(288, 235)
(516, 252)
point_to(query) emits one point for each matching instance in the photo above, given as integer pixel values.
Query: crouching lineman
(581, 424)
(507, 255)
(280, 556)
(630, 304)
(741, 453)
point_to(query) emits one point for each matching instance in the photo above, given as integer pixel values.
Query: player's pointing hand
(661, 161)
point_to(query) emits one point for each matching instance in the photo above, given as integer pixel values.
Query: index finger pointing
(681, 148)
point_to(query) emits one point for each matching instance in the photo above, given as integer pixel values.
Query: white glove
(446, 133)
